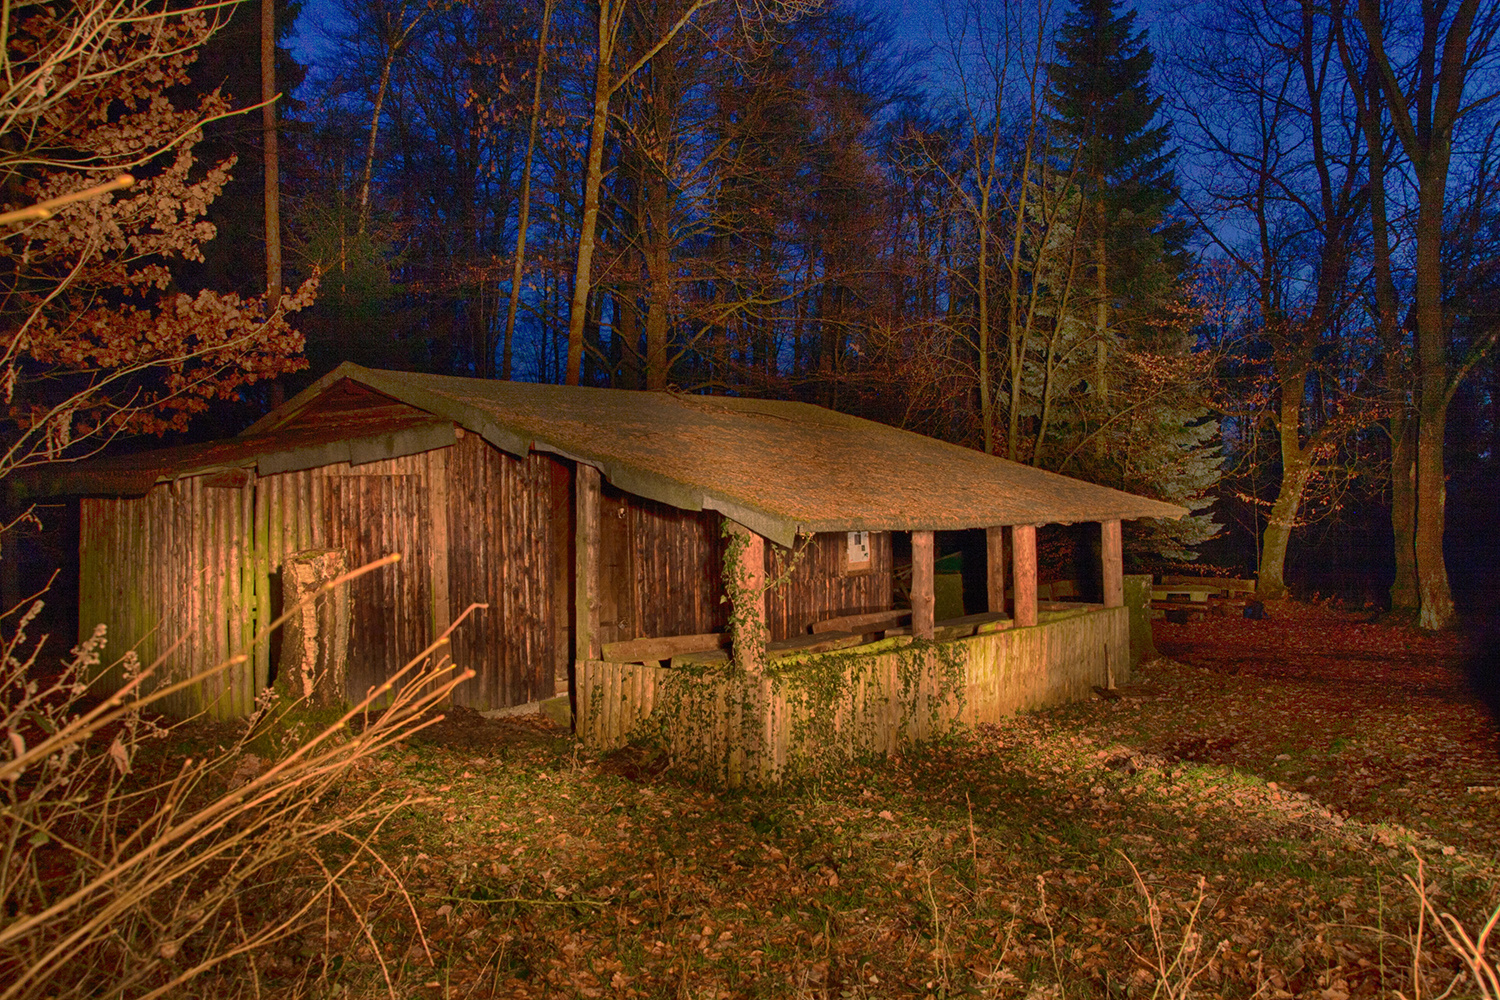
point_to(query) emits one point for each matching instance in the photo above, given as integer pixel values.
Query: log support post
(586, 563)
(994, 539)
(1112, 555)
(1023, 573)
(749, 601)
(314, 664)
(922, 591)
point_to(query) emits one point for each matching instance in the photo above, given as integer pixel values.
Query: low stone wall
(808, 712)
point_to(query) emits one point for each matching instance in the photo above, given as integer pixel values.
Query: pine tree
(1104, 123)
(1103, 112)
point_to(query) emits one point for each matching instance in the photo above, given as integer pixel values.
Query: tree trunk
(1272, 578)
(605, 84)
(1432, 409)
(1101, 332)
(524, 219)
(659, 271)
(986, 404)
(270, 151)
(1296, 467)
(592, 180)
(1404, 595)
(1428, 144)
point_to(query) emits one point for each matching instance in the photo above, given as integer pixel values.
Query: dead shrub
(126, 871)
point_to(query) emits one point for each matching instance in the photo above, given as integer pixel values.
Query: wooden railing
(813, 709)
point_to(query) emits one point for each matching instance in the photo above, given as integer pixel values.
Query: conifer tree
(1103, 113)
(1104, 123)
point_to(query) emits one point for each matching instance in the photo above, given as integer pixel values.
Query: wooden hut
(591, 522)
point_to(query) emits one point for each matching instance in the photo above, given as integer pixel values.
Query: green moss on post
(1138, 600)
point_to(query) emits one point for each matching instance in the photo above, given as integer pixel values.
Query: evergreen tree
(1104, 123)
(1103, 112)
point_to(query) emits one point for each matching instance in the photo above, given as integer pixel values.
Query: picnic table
(1192, 598)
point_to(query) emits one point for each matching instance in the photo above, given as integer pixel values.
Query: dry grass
(128, 870)
(1479, 975)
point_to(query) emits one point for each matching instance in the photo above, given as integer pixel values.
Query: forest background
(1245, 262)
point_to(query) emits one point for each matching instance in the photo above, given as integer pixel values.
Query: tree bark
(1444, 65)
(1404, 594)
(1101, 325)
(524, 219)
(592, 180)
(1367, 92)
(659, 272)
(605, 84)
(270, 151)
(1296, 467)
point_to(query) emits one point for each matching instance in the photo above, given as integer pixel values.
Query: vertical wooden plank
(994, 539)
(611, 714)
(922, 592)
(561, 518)
(1113, 557)
(235, 583)
(1023, 573)
(215, 575)
(437, 519)
(199, 648)
(586, 560)
(261, 526)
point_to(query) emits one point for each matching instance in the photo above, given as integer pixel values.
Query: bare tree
(1282, 198)
(607, 82)
(269, 152)
(1442, 73)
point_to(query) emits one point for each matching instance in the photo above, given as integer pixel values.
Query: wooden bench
(653, 651)
(873, 621)
(1223, 583)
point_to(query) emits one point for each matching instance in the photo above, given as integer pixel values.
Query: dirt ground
(1375, 718)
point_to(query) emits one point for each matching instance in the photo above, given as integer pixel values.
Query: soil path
(1383, 721)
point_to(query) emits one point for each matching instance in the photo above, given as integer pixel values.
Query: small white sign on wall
(857, 555)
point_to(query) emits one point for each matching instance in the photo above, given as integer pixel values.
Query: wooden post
(586, 563)
(437, 504)
(315, 639)
(1023, 573)
(1113, 557)
(921, 584)
(994, 539)
(748, 655)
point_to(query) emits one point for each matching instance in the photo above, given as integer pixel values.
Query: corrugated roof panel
(778, 467)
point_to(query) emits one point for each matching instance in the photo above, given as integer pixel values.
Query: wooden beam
(1112, 555)
(1023, 573)
(664, 648)
(875, 621)
(922, 599)
(752, 570)
(586, 563)
(994, 539)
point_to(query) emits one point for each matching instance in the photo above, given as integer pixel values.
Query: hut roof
(777, 467)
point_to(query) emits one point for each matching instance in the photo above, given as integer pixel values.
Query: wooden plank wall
(661, 574)
(174, 565)
(200, 561)
(370, 511)
(501, 553)
(752, 727)
(660, 569)
(819, 588)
